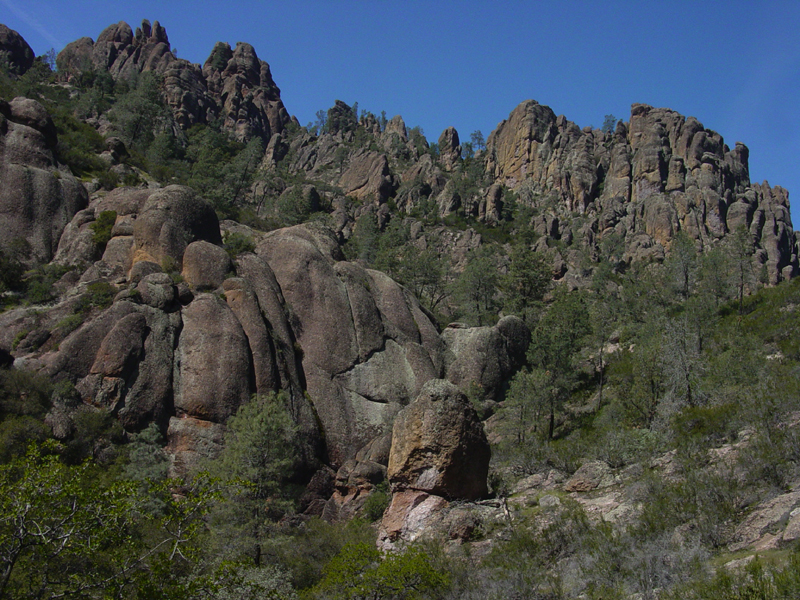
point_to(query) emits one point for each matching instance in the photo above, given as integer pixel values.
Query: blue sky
(734, 65)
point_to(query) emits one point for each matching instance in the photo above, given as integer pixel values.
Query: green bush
(377, 502)
(238, 243)
(102, 226)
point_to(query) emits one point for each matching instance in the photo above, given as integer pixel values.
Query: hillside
(555, 362)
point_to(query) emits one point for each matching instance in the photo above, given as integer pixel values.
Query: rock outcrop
(350, 345)
(15, 53)
(233, 84)
(439, 453)
(483, 359)
(39, 197)
(439, 446)
(659, 174)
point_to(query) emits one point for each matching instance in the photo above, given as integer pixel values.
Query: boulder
(367, 347)
(170, 220)
(15, 51)
(368, 177)
(213, 361)
(439, 446)
(37, 199)
(410, 514)
(205, 265)
(483, 359)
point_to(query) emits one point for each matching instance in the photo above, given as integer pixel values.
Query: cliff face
(656, 175)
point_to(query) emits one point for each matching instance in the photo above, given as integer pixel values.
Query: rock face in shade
(485, 358)
(38, 197)
(15, 51)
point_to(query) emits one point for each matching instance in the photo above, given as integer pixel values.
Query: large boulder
(15, 52)
(213, 361)
(367, 346)
(205, 265)
(171, 219)
(439, 446)
(482, 360)
(368, 177)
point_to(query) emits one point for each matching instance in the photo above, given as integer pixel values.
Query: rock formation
(15, 52)
(438, 445)
(656, 175)
(38, 196)
(439, 453)
(486, 357)
(234, 84)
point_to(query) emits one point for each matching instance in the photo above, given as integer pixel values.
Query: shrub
(377, 502)
(101, 228)
(238, 243)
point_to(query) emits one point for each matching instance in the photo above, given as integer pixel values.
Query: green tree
(59, 534)
(682, 263)
(609, 124)
(424, 272)
(741, 246)
(477, 140)
(527, 281)
(555, 342)
(359, 572)
(527, 402)
(261, 455)
(477, 286)
(140, 114)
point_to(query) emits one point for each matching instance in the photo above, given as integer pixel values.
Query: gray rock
(482, 360)
(37, 199)
(205, 265)
(171, 219)
(213, 363)
(15, 51)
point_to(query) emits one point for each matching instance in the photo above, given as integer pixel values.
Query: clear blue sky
(734, 65)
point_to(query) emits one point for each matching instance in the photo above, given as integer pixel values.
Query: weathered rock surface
(659, 174)
(205, 265)
(483, 359)
(38, 197)
(449, 148)
(170, 220)
(367, 346)
(15, 51)
(236, 84)
(438, 445)
(212, 361)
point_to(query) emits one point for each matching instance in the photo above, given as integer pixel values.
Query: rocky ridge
(233, 84)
